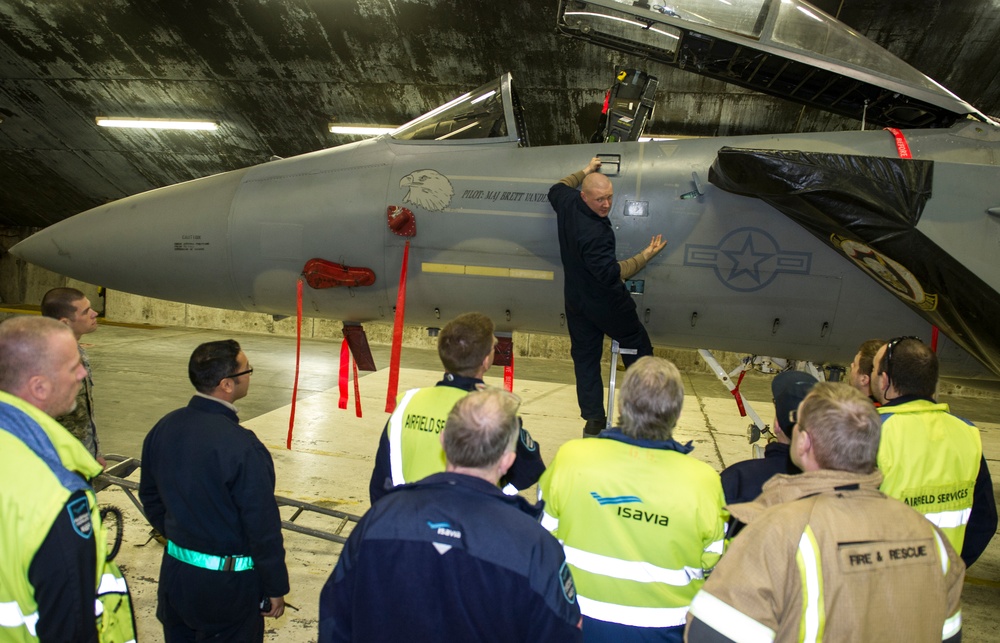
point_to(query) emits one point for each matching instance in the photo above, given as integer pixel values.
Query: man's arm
(631, 266)
(63, 574)
(382, 473)
(576, 178)
(149, 493)
(528, 466)
(253, 493)
(983, 519)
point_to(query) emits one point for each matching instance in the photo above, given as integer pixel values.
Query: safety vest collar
(912, 404)
(615, 433)
(461, 382)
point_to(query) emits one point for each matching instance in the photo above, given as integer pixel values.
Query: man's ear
(506, 462)
(227, 385)
(40, 387)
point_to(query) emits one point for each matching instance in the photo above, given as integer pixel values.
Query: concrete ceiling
(274, 73)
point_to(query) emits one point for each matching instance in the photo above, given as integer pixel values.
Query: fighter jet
(798, 246)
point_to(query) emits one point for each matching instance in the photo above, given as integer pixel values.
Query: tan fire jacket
(827, 556)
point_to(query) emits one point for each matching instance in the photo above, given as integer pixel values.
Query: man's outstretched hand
(656, 244)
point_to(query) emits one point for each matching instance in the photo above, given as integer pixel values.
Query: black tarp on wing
(867, 208)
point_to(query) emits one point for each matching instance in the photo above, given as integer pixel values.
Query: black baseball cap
(789, 388)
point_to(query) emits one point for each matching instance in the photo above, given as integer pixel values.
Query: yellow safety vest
(31, 496)
(415, 450)
(929, 459)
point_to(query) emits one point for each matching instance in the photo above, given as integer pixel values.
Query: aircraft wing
(868, 208)
(784, 48)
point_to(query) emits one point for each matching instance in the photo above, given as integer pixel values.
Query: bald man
(597, 302)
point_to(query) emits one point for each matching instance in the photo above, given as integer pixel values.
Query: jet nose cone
(170, 243)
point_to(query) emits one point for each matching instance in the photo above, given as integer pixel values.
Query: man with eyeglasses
(207, 485)
(450, 557)
(930, 459)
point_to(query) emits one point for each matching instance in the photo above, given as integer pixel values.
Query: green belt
(208, 561)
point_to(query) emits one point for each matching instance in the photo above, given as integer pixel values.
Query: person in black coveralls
(597, 303)
(743, 481)
(207, 485)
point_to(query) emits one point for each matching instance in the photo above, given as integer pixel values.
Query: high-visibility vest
(641, 528)
(415, 450)
(929, 459)
(38, 477)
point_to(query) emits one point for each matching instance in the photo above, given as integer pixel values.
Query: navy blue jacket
(526, 470)
(592, 282)
(207, 484)
(450, 558)
(743, 481)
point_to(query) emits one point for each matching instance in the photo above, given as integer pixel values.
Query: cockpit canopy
(489, 112)
(785, 48)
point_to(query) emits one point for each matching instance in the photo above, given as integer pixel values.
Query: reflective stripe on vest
(639, 571)
(810, 566)
(11, 616)
(396, 439)
(729, 621)
(549, 522)
(950, 519)
(633, 616)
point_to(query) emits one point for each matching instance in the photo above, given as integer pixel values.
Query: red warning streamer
(902, 147)
(738, 396)
(298, 353)
(508, 376)
(345, 358)
(397, 336)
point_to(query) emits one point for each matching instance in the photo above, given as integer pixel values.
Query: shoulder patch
(566, 581)
(527, 441)
(79, 514)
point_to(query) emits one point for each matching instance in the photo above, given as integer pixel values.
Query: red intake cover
(401, 221)
(320, 274)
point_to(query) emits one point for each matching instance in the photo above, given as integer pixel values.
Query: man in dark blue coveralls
(597, 302)
(207, 484)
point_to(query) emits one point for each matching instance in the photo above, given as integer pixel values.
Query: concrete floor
(140, 374)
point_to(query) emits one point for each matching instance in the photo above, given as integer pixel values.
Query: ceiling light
(362, 130)
(156, 123)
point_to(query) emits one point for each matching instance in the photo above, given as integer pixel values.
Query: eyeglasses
(249, 371)
(888, 351)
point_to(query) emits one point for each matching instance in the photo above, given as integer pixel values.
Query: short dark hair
(651, 399)
(843, 425)
(465, 342)
(211, 363)
(914, 367)
(867, 352)
(481, 427)
(59, 303)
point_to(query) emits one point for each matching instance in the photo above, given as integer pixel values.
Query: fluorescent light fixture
(156, 123)
(362, 130)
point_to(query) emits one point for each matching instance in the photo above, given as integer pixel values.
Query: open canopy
(785, 48)
(491, 111)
